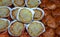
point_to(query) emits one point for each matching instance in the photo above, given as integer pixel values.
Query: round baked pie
(16, 28)
(14, 12)
(35, 28)
(25, 15)
(4, 11)
(19, 3)
(4, 23)
(39, 13)
(32, 3)
(5, 2)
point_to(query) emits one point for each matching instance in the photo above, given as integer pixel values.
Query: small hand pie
(19, 3)
(4, 12)
(39, 13)
(5, 2)
(4, 23)
(25, 15)
(16, 28)
(35, 29)
(32, 3)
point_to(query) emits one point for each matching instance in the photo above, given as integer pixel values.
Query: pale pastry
(16, 28)
(5, 2)
(4, 11)
(19, 3)
(35, 28)
(4, 23)
(32, 3)
(25, 15)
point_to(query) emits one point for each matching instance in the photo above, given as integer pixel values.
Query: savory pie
(4, 12)
(5, 2)
(16, 28)
(19, 3)
(25, 15)
(32, 3)
(35, 28)
(4, 23)
(39, 13)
